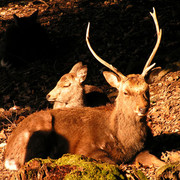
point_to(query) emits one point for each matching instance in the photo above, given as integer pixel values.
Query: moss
(88, 168)
(70, 167)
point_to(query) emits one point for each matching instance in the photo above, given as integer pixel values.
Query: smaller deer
(26, 41)
(70, 91)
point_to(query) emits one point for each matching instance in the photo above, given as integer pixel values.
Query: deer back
(17, 146)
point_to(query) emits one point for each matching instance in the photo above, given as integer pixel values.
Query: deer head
(26, 22)
(26, 41)
(133, 89)
(69, 90)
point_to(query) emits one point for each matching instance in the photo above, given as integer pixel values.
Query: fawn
(70, 91)
(112, 134)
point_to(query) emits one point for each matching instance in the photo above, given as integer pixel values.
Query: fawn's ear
(16, 19)
(112, 79)
(76, 67)
(152, 75)
(82, 74)
(34, 16)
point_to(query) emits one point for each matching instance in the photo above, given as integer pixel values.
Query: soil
(122, 32)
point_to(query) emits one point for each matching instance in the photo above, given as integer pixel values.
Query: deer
(112, 134)
(71, 92)
(25, 41)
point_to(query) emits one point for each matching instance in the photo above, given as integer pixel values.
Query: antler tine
(98, 58)
(159, 34)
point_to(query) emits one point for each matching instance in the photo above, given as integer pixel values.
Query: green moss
(86, 169)
(76, 167)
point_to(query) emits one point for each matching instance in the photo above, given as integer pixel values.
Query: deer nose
(143, 110)
(48, 96)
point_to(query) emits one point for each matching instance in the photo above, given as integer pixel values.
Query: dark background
(122, 33)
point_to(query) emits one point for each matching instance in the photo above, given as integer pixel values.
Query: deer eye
(67, 84)
(125, 93)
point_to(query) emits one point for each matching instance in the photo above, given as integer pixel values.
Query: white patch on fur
(140, 114)
(112, 137)
(11, 165)
(26, 135)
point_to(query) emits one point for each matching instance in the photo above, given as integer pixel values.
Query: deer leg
(147, 159)
(102, 156)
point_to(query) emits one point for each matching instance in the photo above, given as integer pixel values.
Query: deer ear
(34, 16)
(112, 79)
(82, 74)
(153, 75)
(76, 67)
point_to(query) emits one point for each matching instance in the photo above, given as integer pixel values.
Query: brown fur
(18, 141)
(112, 133)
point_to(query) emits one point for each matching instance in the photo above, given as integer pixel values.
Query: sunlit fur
(112, 133)
(71, 92)
(68, 92)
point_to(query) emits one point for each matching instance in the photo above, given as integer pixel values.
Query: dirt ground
(122, 33)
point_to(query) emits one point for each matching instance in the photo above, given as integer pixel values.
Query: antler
(147, 67)
(98, 58)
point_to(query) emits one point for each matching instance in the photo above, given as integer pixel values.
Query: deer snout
(50, 98)
(143, 110)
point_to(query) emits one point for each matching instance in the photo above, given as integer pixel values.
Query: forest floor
(122, 33)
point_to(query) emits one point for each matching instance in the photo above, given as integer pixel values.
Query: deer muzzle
(142, 111)
(48, 97)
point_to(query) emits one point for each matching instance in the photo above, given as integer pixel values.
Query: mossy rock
(68, 167)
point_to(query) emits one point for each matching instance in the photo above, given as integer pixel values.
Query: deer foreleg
(147, 159)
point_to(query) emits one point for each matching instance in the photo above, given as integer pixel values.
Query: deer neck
(126, 123)
(77, 100)
(74, 100)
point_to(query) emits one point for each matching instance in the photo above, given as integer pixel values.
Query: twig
(6, 118)
(43, 2)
